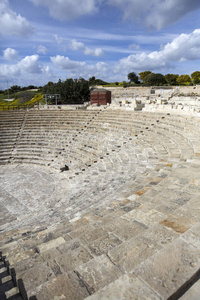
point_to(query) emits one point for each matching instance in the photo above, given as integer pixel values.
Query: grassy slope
(20, 99)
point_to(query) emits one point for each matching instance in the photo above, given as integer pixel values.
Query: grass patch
(23, 98)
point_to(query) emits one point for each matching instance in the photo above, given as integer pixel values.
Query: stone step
(65, 286)
(7, 288)
(14, 294)
(98, 273)
(128, 286)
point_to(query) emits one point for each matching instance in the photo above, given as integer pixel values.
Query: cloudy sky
(45, 40)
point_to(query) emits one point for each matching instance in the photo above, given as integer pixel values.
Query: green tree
(132, 77)
(92, 80)
(144, 74)
(155, 79)
(195, 74)
(31, 87)
(49, 88)
(96, 81)
(71, 91)
(195, 77)
(14, 89)
(184, 80)
(171, 79)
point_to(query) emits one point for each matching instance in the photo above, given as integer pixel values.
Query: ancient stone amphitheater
(121, 221)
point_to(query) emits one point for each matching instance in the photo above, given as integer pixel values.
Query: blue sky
(45, 40)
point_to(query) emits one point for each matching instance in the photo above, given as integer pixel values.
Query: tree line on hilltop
(149, 78)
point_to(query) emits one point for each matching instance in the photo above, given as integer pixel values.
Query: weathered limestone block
(148, 218)
(170, 268)
(133, 252)
(89, 236)
(73, 258)
(51, 244)
(12, 293)
(61, 287)
(133, 228)
(98, 272)
(36, 276)
(103, 244)
(22, 266)
(81, 231)
(192, 236)
(126, 287)
(20, 255)
(178, 223)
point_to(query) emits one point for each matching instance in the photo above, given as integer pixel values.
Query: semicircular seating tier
(122, 220)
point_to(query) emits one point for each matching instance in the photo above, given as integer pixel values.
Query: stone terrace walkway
(122, 223)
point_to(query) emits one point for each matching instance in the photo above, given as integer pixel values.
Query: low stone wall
(63, 107)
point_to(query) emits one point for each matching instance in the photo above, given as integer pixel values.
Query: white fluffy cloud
(183, 48)
(62, 62)
(28, 65)
(68, 9)
(9, 71)
(12, 23)
(78, 46)
(78, 69)
(10, 54)
(155, 14)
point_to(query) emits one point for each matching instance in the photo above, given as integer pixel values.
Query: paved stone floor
(27, 193)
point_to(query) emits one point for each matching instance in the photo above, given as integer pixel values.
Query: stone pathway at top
(122, 223)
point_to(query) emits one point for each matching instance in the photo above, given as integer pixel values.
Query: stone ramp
(124, 222)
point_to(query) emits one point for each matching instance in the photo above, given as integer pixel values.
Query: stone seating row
(139, 128)
(42, 137)
(186, 134)
(35, 143)
(22, 149)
